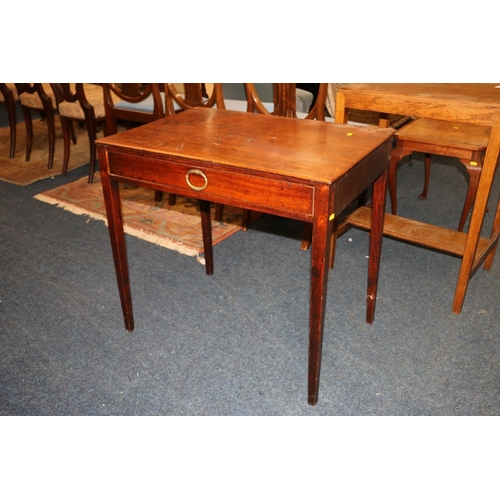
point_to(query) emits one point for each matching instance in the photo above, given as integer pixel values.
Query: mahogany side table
(301, 169)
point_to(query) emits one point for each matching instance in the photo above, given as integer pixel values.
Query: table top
(304, 149)
(471, 102)
(487, 94)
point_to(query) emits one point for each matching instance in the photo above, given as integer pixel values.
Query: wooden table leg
(206, 228)
(111, 192)
(376, 233)
(495, 233)
(477, 217)
(321, 242)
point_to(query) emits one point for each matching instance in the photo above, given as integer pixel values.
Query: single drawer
(222, 184)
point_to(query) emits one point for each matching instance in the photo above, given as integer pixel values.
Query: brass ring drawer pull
(195, 171)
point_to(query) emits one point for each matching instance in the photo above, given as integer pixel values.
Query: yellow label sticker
(349, 134)
(455, 127)
(331, 217)
(473, 163)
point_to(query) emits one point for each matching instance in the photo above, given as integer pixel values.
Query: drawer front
(218, 184)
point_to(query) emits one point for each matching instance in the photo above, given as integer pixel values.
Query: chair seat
(303, 100)
(235, 105)
(236, 92)
(94, 96)
(33, 100)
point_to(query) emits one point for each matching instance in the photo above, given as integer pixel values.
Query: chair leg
(104, 128)
(172, 198)
(29, 131)
(333, 244)
(52, 138)
(11, 113)
(245, 220)
(306, 236)
(111, 127)
(73, 136)
(363, 198)
(474, 175)
(91, 131)
(427, 168)
(219, 211)
(65, 125)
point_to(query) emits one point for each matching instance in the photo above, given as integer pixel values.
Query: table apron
(288, 197)
(363, 174)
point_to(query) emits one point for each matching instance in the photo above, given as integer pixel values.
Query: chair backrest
(236, 91)
(36, 96)
(73, 94)
(285, 101)
(196, 96)
(138, 103)
(8, 92)
(9, 97)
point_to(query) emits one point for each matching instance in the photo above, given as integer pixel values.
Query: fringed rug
(176, 227)
(21, 172)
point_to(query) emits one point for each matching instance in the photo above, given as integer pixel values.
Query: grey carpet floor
(235, 343)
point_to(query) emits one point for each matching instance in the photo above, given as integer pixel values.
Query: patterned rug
(176, 227)
(18, 171)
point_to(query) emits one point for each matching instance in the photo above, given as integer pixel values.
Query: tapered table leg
(206, 228)
(111, 192)
(321, 243)
(376, 233)
(495, 233)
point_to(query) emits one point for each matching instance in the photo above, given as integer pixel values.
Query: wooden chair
(82, 103)
(9, 97)
(285, 101)
(209, 95)
(38, 97)
(136, 104)
(195, 95)
(466, 142)
(204, 95)
(235, 95)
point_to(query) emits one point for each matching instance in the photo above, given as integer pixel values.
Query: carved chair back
(284, 99)
(137, 103)
(195, 96)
